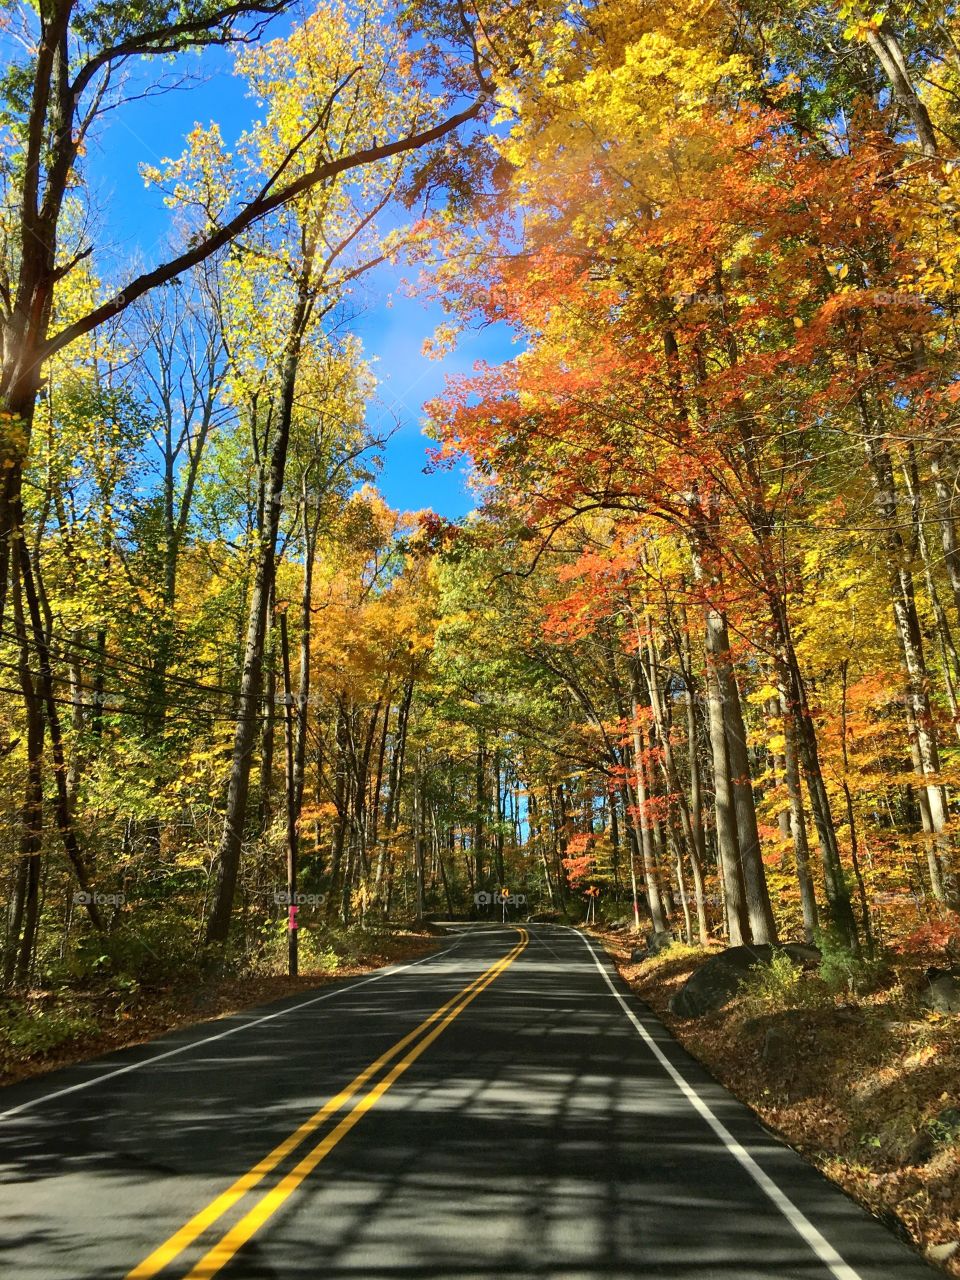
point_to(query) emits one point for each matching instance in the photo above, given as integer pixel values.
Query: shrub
(29, 1031)
(318, 952)
(945, 1128)
(322, 946)
(675, 954)
(774, 987)
(940, 937)
(845, 973)
(151, 952)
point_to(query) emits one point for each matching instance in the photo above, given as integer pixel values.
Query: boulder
(718, 979)
(921, 1148)
(424, 924)
(658, 941)
(942, 992)
(652, 945)
(625, 922)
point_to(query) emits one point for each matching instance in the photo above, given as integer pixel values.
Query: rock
(920, 1148)
(942, 992)
(944, 1128)
(805, 954)
(653, 944)
(779, 1046)
(718, 979)
(941, 1253)
(893, 1222)
(849, 1014)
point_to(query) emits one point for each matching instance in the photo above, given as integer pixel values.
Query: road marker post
(591, 895)
(484, 898)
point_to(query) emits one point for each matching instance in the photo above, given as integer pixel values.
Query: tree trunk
(498, 840)
(919, 711)
(26, 912)
(728, 844)
(889, 54)
(231, 844)
(798, 821)
(651, 877)
(62, 808)
(759, 911)
(418, 836)
(267, 734)
(690, 841)
(946, 476)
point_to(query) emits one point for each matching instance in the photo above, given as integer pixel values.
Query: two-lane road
(503, 1108)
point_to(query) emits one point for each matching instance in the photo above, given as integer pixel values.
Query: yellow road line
(165, 1253)
(272, 1200)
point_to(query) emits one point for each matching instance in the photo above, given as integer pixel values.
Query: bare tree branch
(246, 217)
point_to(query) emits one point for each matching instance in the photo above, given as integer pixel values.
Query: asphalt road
(503, 1108)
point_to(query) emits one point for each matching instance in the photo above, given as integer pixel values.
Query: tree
(54, 98)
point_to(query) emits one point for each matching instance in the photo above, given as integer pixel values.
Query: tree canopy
(692, 658)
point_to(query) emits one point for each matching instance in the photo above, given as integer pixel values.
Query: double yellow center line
(415, 1043)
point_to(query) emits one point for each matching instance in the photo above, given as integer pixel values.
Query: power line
(119, 663)
(146, 703)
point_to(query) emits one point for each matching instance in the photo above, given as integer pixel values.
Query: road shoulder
(99, 1022)
(840, 1089)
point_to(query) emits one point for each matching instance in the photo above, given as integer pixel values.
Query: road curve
(503, 1108)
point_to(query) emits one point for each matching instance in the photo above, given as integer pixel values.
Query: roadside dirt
(100, 1021)
(857, 1085)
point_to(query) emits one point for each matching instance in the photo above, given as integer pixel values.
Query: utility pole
(292, 936)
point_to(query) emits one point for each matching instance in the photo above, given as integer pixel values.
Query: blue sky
(391, 324)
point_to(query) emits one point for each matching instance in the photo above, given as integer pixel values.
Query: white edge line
(820, 1245)
(222, 1035)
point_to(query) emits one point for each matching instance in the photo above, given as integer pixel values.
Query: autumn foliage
(694, 650)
